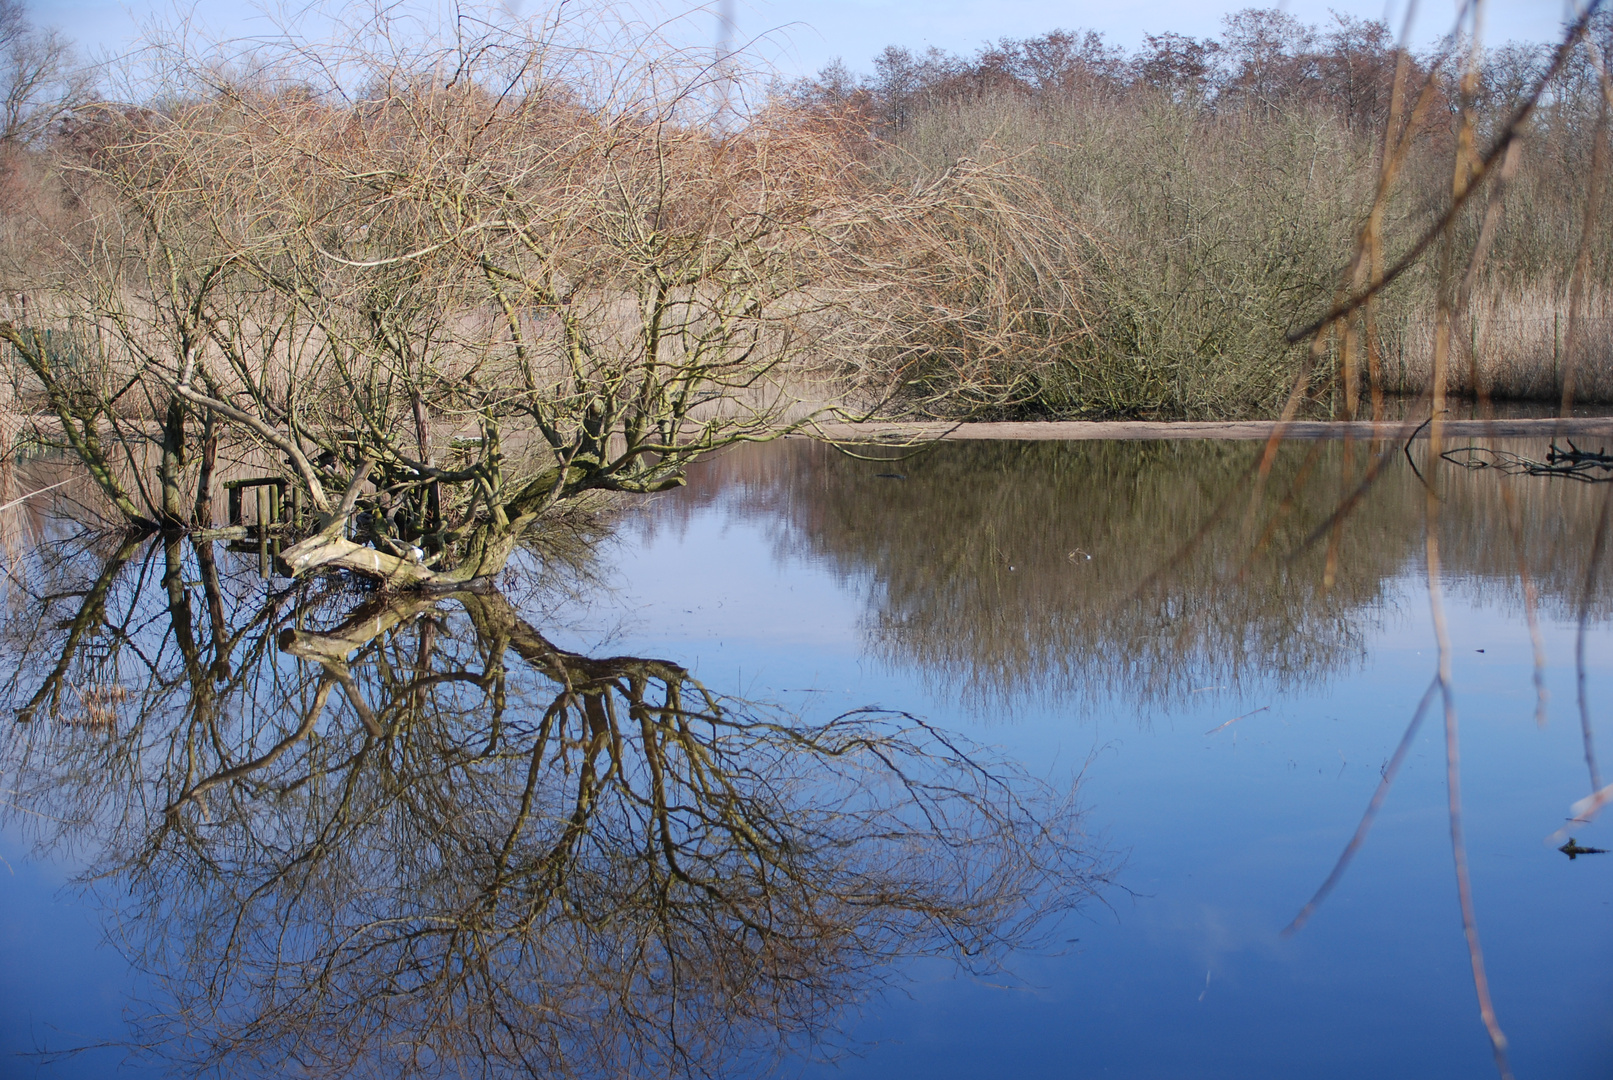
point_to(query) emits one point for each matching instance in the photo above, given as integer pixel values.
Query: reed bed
(1515, 347)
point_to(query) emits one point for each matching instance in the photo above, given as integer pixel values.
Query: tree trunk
(486, 553)
(203, 514)
(173, 460)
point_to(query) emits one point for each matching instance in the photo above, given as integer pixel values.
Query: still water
(1004, 759)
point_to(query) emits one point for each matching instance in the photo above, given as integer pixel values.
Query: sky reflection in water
(964, 593)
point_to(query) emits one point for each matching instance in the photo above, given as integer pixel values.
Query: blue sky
(800, 36)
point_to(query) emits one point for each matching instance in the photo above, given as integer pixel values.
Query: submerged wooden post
(270, 502)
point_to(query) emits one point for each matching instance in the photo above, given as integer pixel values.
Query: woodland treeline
(438, 282)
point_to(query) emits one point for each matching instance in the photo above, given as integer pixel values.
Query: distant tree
(903, 82)
(1073, 64)
(1509, 73)
(1270, 55)
(40, 79)
(1184, 67)
(1356, 69)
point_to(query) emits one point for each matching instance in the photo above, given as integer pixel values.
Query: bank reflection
(414, 837)
(1144, 572)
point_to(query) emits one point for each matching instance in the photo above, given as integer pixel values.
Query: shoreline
(1249, 430)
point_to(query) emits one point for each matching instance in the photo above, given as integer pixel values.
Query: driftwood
(1589, 466)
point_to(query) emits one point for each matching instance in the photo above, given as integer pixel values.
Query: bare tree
(466, 299)
(40, 78)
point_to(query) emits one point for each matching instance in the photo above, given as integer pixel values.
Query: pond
(995, 759)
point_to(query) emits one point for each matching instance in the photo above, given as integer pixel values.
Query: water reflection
(414, 837)
(1089, 571)
(969, 566)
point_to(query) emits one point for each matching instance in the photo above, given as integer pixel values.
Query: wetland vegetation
(438, 282)
(423, 306)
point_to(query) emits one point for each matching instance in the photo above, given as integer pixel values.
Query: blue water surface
(1219, 834)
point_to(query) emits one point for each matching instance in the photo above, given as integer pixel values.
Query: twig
(1369, 816)
(1407, 447)
(1598, 543)
(40, 491)
(1453, 789)
(1235, 719)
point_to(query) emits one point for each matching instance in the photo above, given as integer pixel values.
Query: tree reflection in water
(417, 838)
(1086, 573)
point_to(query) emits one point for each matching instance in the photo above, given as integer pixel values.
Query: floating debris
(1590, 466)
(1574, 851)
(1235, 719)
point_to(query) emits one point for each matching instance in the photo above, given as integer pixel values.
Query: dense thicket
(1227, 177)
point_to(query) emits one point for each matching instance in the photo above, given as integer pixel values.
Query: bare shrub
(1218, 179)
